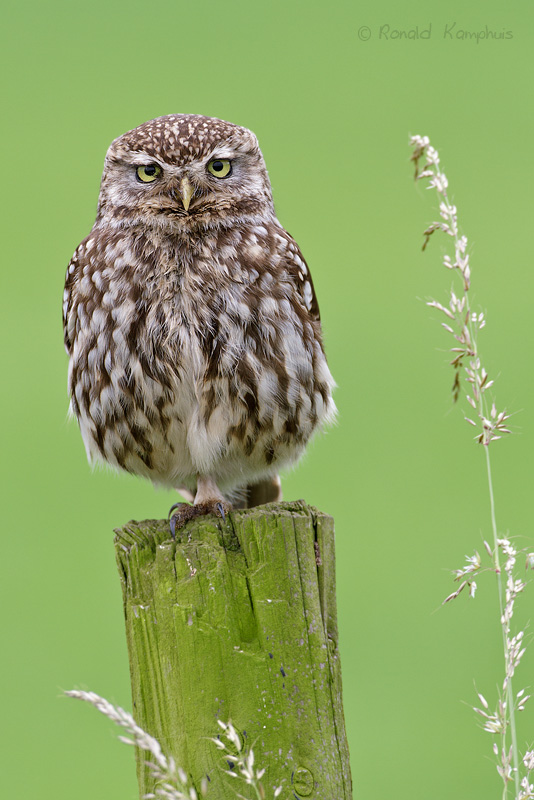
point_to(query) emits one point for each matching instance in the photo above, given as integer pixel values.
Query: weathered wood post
(236, 620)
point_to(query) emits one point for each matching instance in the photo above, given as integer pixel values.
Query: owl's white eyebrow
(222, 152)
(142, 158)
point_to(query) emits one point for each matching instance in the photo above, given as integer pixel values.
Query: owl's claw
(220, 508)
(175, 505)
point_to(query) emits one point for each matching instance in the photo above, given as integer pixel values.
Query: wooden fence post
(236, 620)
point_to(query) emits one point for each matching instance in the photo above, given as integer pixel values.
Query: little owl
(190, 320)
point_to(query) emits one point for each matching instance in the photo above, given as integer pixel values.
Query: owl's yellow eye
(148, 172)
(220, 167)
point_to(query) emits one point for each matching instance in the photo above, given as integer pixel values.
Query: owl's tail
(269, 490)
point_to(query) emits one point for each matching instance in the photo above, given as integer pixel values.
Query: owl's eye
(220, 167)
(148, 172)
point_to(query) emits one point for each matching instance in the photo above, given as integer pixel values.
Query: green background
(400, 472)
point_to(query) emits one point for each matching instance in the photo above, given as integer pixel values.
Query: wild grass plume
(471, 377)
(241, 763)
(171, 781)
(463, 323)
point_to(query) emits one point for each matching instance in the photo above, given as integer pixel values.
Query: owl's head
(184, 171)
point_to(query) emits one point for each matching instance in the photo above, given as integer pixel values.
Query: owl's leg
(207, 491)
(189, 496)
(208, 500)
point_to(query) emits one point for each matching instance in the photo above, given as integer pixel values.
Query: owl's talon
(220, 508)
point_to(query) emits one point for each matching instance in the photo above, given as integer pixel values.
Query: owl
(190, 320)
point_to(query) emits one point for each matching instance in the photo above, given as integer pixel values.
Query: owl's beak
(186, 192)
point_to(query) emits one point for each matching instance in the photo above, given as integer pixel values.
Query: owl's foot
(218, 507)
(185, 512)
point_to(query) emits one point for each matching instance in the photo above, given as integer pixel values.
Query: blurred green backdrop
(333, 103)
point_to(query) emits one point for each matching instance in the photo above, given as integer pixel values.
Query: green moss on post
(237, 621)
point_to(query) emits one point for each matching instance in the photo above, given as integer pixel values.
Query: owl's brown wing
(298, 270)
(69, 318)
